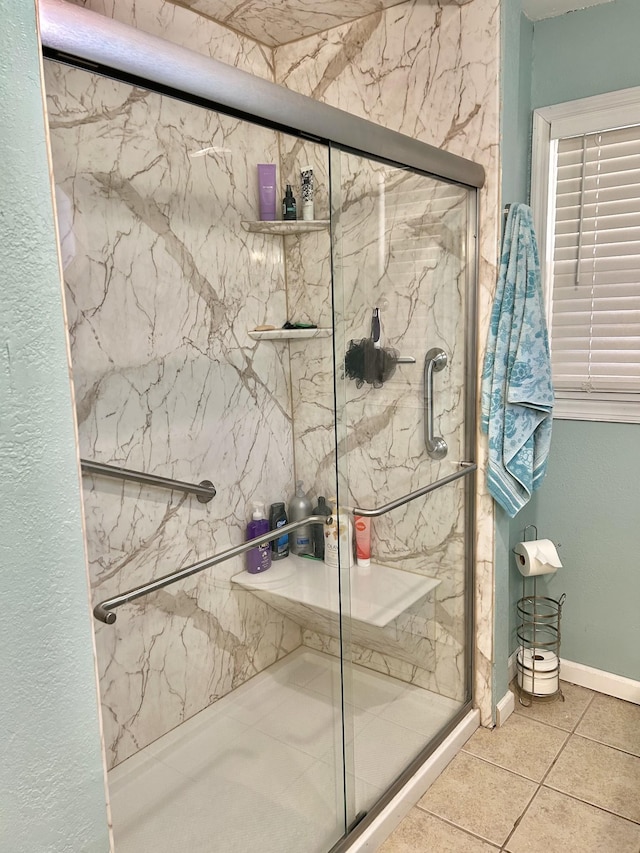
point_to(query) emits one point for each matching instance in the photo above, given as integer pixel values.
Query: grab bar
(467, 468)
(104, 610)
(435, 359)
(204, 491)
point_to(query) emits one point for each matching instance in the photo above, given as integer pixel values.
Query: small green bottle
(289, 205)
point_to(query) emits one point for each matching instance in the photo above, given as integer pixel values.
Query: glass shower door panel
(220, 731)
(408, 673)
(400, 245)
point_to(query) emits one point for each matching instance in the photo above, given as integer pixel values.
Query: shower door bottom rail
(104, 610)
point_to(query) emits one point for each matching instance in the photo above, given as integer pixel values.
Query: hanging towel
(517, 394)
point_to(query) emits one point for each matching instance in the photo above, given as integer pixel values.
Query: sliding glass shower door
(403, 259)
(264, 711)
(219, 732)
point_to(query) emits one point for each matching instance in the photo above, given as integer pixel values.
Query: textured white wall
(51, 772)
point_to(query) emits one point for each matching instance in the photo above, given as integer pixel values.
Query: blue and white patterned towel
(517, 394)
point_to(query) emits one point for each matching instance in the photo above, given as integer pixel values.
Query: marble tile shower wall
(284, 21)
(429, 71)
(188, 29)
(162, 285)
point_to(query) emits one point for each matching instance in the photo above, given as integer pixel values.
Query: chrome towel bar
(405, 499)
(104, 610)
(204, 491)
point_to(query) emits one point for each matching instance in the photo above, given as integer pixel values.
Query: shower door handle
(435, 360)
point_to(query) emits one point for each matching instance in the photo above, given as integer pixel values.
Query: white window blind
(595, 318)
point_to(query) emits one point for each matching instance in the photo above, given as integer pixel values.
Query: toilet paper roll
(540, 683)
(538, 672)
(537, 557)
(542, 659)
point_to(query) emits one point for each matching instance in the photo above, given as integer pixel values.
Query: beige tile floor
(558, 777)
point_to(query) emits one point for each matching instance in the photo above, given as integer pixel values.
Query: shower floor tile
(383, 749)
(261, 770)
(420, 710)
(310, 722)
(201, 747)
(368, 690)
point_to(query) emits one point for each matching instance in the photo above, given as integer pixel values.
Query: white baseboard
(601, 681)
(595, 679)
(505, 708)
(384, 824)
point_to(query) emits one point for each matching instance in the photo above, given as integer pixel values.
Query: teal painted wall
(590, 499)
(517, 49)
(517, 57)
(51, 771)
(587, 52)
(590, 504)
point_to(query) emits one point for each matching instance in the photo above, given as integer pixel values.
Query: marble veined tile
(183, 26)
(283, 21)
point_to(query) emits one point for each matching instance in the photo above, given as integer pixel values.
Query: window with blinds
(595, 267)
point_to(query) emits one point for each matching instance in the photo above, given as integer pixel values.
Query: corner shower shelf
(290, 334)
(283, 228)
(377, 598)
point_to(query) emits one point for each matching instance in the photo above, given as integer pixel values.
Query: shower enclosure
(277, 711)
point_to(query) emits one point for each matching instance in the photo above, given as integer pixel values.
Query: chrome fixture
(405, 499)
(435, 360)
(204, 491)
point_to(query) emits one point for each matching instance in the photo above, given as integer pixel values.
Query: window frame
(573, 118)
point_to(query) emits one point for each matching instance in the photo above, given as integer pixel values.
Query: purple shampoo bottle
(258, 558)
(267, 191)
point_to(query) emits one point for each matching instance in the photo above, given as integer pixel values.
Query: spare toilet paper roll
(542, 660)
(538, 671)
(537, 557)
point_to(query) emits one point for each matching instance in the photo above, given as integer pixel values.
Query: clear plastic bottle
(300, 507)
(258, 558)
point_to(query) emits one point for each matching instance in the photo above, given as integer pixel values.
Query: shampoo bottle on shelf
(258, 558)
(338, 538)
(318, 529)
(306, 179)
(267, 191)
(299, 508)
(278, 518)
